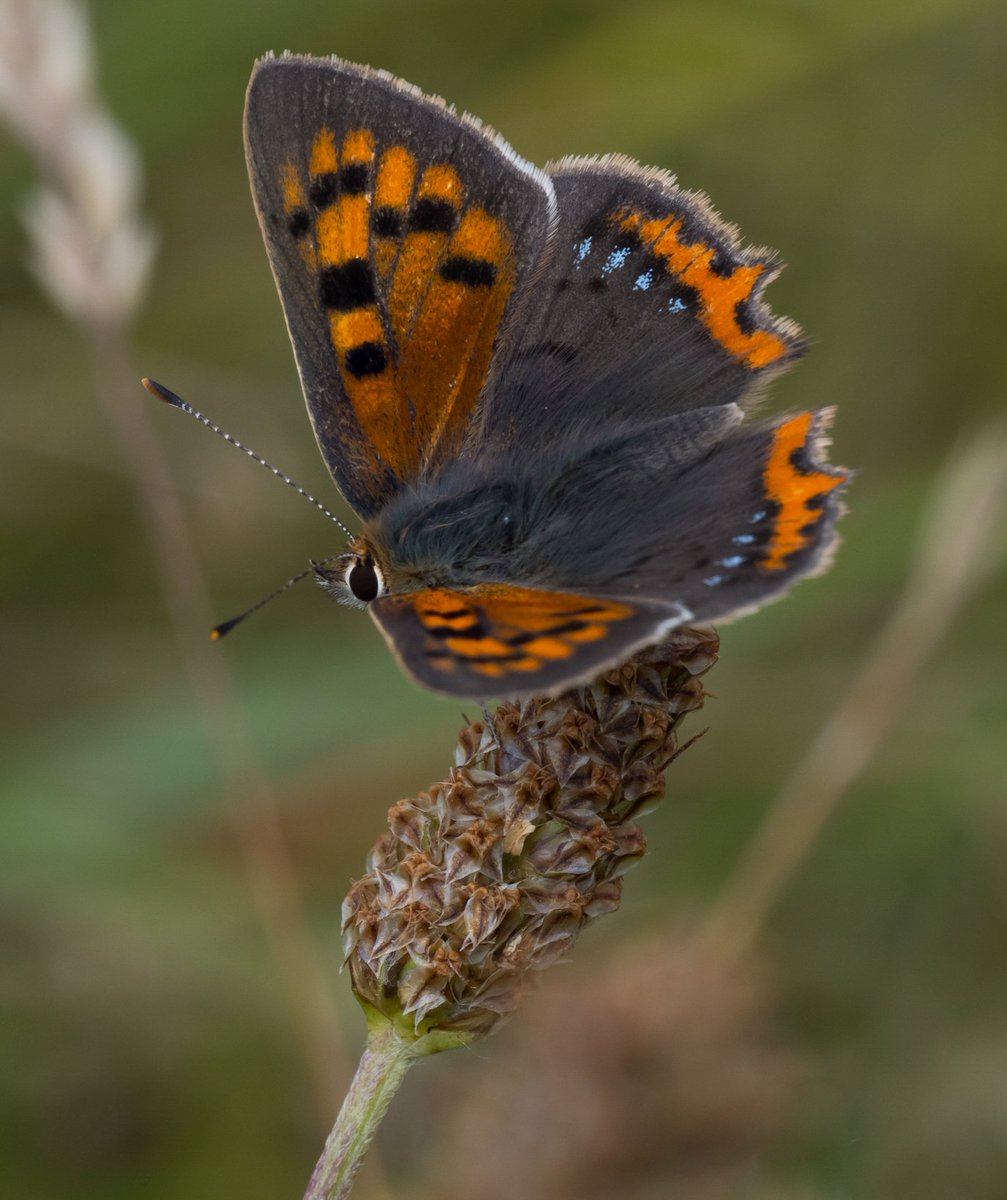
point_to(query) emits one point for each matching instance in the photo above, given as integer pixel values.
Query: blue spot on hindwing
(584, 249)
(643, 282)
(615, 260)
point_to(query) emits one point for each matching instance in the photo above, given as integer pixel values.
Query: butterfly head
(354, 578)
(367, 570)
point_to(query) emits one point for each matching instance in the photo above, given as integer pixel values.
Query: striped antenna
(225, 627)
(169, 397)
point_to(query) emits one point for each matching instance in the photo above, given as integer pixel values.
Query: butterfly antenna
(169, 397)
(225, 627)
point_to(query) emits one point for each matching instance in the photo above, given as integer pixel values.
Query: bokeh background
(151, 1043)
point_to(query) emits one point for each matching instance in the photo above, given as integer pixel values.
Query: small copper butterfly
(529, 384)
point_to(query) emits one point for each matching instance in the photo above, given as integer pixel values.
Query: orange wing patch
(414, 285)
(433, 217)
(446, 357)
(498, 630)
(295, 209)
(719, 295)
(392, 194)
(797, 487)
(340, 190)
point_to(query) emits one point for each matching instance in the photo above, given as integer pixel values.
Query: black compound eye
(364, 580)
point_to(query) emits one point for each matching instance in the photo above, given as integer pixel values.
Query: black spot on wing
(694, 230)
(353, 179)
(298, 223)
(324, 189)
(770, 510)
(369, 358)
(744, 318)
(721, 263)
(387, 222)
(800, 460)
(433, 216)
(596, 227)
(627, 239)
(453, 615)
(348, 286)
(473, 272)
(473, 632)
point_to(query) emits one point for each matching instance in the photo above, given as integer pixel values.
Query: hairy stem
(383, 1065)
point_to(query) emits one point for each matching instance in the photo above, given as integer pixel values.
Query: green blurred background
(146, 1045)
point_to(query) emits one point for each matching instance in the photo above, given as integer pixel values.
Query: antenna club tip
(225, 627)
(160, 392)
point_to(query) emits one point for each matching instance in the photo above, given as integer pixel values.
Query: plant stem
(386, 1058)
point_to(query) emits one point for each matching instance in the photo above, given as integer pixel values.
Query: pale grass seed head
(91, 249)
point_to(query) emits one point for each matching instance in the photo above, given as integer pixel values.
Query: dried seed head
(493, 873)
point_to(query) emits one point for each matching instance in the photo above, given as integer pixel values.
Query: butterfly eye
(364, 580)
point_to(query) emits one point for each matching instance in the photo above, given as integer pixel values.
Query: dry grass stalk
(91, 252)
(959, 545)
(490, 876)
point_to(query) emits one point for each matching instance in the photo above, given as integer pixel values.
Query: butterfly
(529, 384)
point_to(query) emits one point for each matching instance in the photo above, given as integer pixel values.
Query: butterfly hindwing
(649, 298)
(693, 518)
(497, 639)
(735, 528)
(400, 235)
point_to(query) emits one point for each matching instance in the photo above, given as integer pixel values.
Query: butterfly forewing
(400, 236)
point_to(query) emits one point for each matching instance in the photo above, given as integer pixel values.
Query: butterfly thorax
(453, 532)
(459, 529)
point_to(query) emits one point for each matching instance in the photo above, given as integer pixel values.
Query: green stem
(386, 1058)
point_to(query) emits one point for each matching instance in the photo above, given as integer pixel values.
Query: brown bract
(493, 873)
